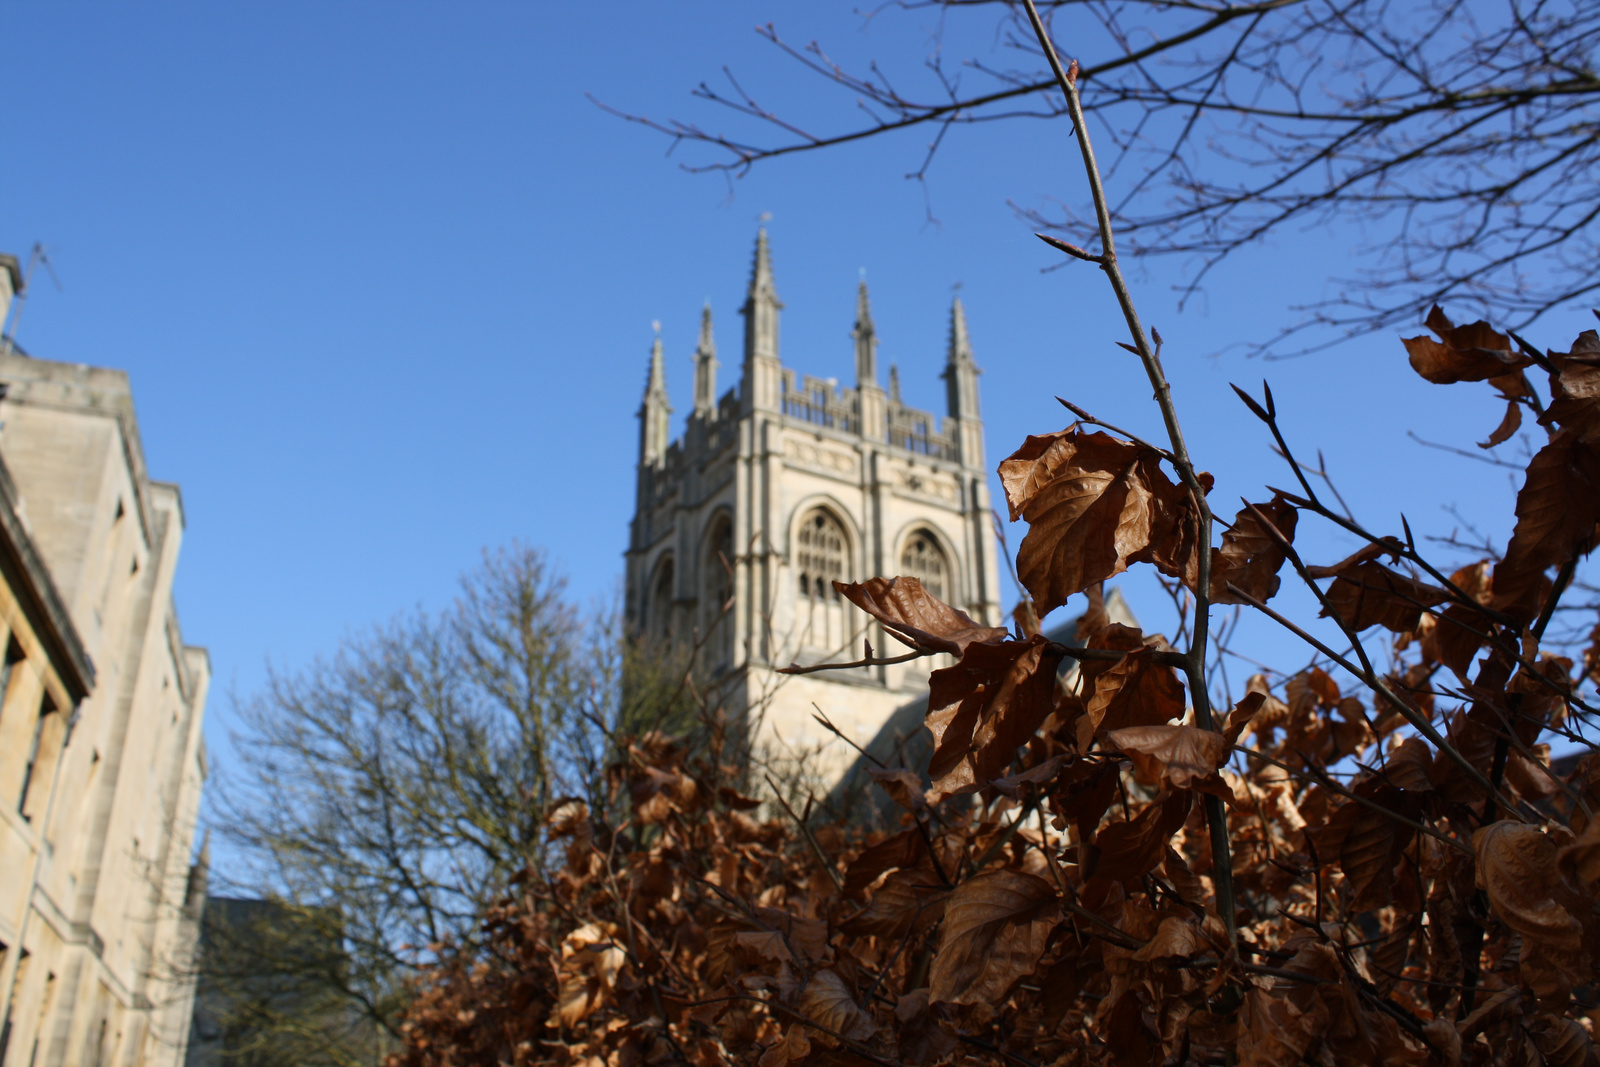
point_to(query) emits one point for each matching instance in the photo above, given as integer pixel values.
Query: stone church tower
(784, 484)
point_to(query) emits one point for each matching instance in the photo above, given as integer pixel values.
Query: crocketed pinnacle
(655, 413)
(865, 335)
(761, 305)
(705, 368)
(960, 372)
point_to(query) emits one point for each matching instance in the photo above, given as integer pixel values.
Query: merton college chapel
(779, 487)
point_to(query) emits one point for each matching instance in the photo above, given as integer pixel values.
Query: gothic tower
(785, 484)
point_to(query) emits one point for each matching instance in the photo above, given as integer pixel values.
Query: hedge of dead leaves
(1414, 883)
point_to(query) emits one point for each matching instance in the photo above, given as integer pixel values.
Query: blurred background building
(101, 760)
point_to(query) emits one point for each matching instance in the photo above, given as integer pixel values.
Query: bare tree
(1461, 136)
(382, 798)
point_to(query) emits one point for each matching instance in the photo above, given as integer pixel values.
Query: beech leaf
(903, 786)
(1366, 593)
(909, 897)
(1090, 507)
(1127, 851)
(1131, 691)
(1517, 869)
(1562, 1042)
(826, 1001)
(916, 616)
(1368, 854)
(1558, 508)
(983, 708)
(1174, 938)
(1471, 353)
(1510, 423)
(1581, 858)
(1250, 556)
(590, 963)
(1273, 1032)
(903, 849)
(995, 928)
(1455, 638)
(1575, 388)
(1181, 753)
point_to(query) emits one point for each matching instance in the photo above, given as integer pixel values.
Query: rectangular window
(47, 729)
(12, 658)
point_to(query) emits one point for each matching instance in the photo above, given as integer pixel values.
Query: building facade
(101, 762)
(785, 484)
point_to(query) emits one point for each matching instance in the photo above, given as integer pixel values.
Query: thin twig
(1195, 665)
(1135, 438)
(827, 724)
(1406, 710)
(916, 653)
(822, 857)
(1326, 781)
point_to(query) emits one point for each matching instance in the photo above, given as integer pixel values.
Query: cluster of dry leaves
(1410, 880)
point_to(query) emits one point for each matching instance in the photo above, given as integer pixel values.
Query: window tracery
(820, 560)
(659, 609)
(924, 560)
(718, 586)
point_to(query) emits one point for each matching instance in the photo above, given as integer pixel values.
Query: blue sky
(384, 280)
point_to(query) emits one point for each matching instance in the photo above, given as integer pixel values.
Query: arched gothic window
(924, 560)
(658, 625)
(717, 577)
(820, 559)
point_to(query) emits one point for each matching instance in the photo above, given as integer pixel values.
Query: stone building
(785, 484)
(101, 762)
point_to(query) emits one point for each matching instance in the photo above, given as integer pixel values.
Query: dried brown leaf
(1095, 617)
(1091, 502)
(1127, 851)
(1558, 508)
(903, 786)
(1575, 388)
(1250, 556)
(1180, 753)
(916, 616)
(1368, 855)
(911, 897)
(792, 1047)
(806, 936)
(995, 928)
(923, 1041)
(1015, 785)
(1517, 869)
(1173, 938)
(1367, 593)
(1407, 766)
(1471, 353)
(1243, 716)
(590, 963)
(660, 793)
(827, 1001)
(1275, 1033)
(1455, 638)
(1581, 859)
(903, 849)
(736, 800)
(1562, 1042)
(1132, 691)
(1510, 423)
(985, 707)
